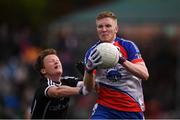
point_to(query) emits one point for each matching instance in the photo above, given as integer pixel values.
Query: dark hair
(39, 64)
(106, 14)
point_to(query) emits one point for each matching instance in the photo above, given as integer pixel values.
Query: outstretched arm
(62, 91)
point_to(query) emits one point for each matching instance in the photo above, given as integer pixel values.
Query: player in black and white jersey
(51, 98)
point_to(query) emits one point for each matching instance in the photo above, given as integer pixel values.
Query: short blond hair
(106, 14)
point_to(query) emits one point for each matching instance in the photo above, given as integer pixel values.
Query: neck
(54, 77)
(114, 37)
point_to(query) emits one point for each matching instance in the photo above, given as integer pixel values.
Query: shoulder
(69, 81)
(128, 48)
(66, 78)
(124, 42)
(45, 84)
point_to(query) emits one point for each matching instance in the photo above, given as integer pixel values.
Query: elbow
(145, 76)
(55, 95)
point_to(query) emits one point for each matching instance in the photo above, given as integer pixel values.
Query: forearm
(89, 81)
(138, 69)
(63, 91)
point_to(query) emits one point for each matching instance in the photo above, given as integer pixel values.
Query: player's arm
(89, 81)
(138, 69)
(62, 91)
(88, 78)
(93, 61)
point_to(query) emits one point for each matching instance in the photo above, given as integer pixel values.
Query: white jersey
(118, 88)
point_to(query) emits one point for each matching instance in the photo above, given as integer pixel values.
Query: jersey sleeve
(47, 85)
(133, 52)
(87, 55)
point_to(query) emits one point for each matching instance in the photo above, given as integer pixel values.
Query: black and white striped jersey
(44, 107)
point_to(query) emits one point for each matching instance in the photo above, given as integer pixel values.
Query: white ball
(109, 53)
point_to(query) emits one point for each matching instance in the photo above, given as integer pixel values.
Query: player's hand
(93, 61)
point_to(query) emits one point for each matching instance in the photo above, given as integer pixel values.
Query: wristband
(122, 60)
(89, 71)
(83, 91)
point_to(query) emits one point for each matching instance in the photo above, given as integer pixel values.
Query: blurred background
(28, 26)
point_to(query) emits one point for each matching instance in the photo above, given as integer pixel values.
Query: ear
(43, 71)
(117, 28)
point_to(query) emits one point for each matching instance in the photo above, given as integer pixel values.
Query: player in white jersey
(119, 89)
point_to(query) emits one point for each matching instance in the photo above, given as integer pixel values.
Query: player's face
(52, 65)
(107, 29)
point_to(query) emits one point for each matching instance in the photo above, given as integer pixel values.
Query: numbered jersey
(118, 88)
